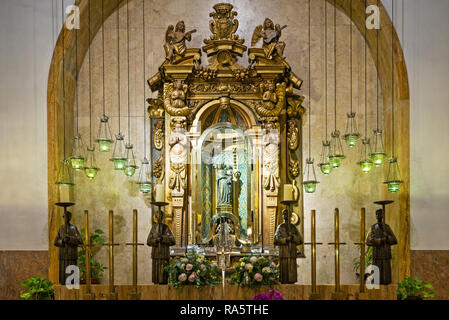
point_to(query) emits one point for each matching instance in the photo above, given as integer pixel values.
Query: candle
(159, 193)
(288, 193)
(65, 193)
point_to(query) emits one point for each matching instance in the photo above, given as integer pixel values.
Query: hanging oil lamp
(393, 177)
(64, 183)
(310, 182)
(130, 167)
(310, 176)
(352, 136)
(378, 154)
(91, 169)
(393, 180)
(144, 183)
(78, 156)
(119, 155)
(336, 151)
(365, 163)
(104, 139)
(325, 165)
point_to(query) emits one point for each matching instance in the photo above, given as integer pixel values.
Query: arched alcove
(385, 69)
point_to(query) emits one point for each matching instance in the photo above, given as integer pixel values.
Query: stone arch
(385, 68)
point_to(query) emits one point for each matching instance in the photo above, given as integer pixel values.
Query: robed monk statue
(381, 238)
(160, 238)
(287, 237)
(68, 239)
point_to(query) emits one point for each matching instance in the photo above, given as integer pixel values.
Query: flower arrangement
(254, 271)
(272, 295)
(192, 269)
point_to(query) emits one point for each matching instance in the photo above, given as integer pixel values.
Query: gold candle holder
(362, 295)
(112, 295)
(135, 295)
(88, 295)
(337, 295)
(314, 295)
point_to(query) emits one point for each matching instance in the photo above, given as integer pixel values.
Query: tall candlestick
(135, 295)
(362, 250)
(337, 295)
(314, 295)
(112, 295)
(337, 250)
(88, 295)
(313, 252)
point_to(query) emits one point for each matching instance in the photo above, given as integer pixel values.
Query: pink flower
(189, 267)
(253, 259)
(184, 260)
(192, 277)
(246, 279)
(203, 267)
(258, 277)
(182, 277)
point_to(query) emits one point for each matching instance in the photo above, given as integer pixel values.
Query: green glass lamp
(336, 151)
(130, 167)
(78, 156)
(325, 166)
(310, 177)
(104, 139)
(365, 163)
(91, 169)
(352, 135)
(393, 177)
(144, 182)
(378, 154)
(119, 155)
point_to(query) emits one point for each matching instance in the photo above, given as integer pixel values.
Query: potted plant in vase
(38, 288)
(368, 262)
(96, 268)
(414, 289)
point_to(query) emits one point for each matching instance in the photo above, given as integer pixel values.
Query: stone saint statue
(160, 238)
(287, 237)
(381, 238)
(224, 185)
(68, 240)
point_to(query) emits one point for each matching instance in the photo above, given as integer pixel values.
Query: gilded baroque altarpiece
(225, 138)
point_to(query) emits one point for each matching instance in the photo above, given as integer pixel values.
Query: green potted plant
(37, 288)
(414, 289)
(368, 261)
(96, 268)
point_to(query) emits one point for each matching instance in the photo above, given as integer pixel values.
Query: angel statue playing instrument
(270, 34)
(175, 40)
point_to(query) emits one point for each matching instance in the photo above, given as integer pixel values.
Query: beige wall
(27, 35)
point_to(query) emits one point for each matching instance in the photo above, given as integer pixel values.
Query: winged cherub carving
(175, 40)
(270, 34)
